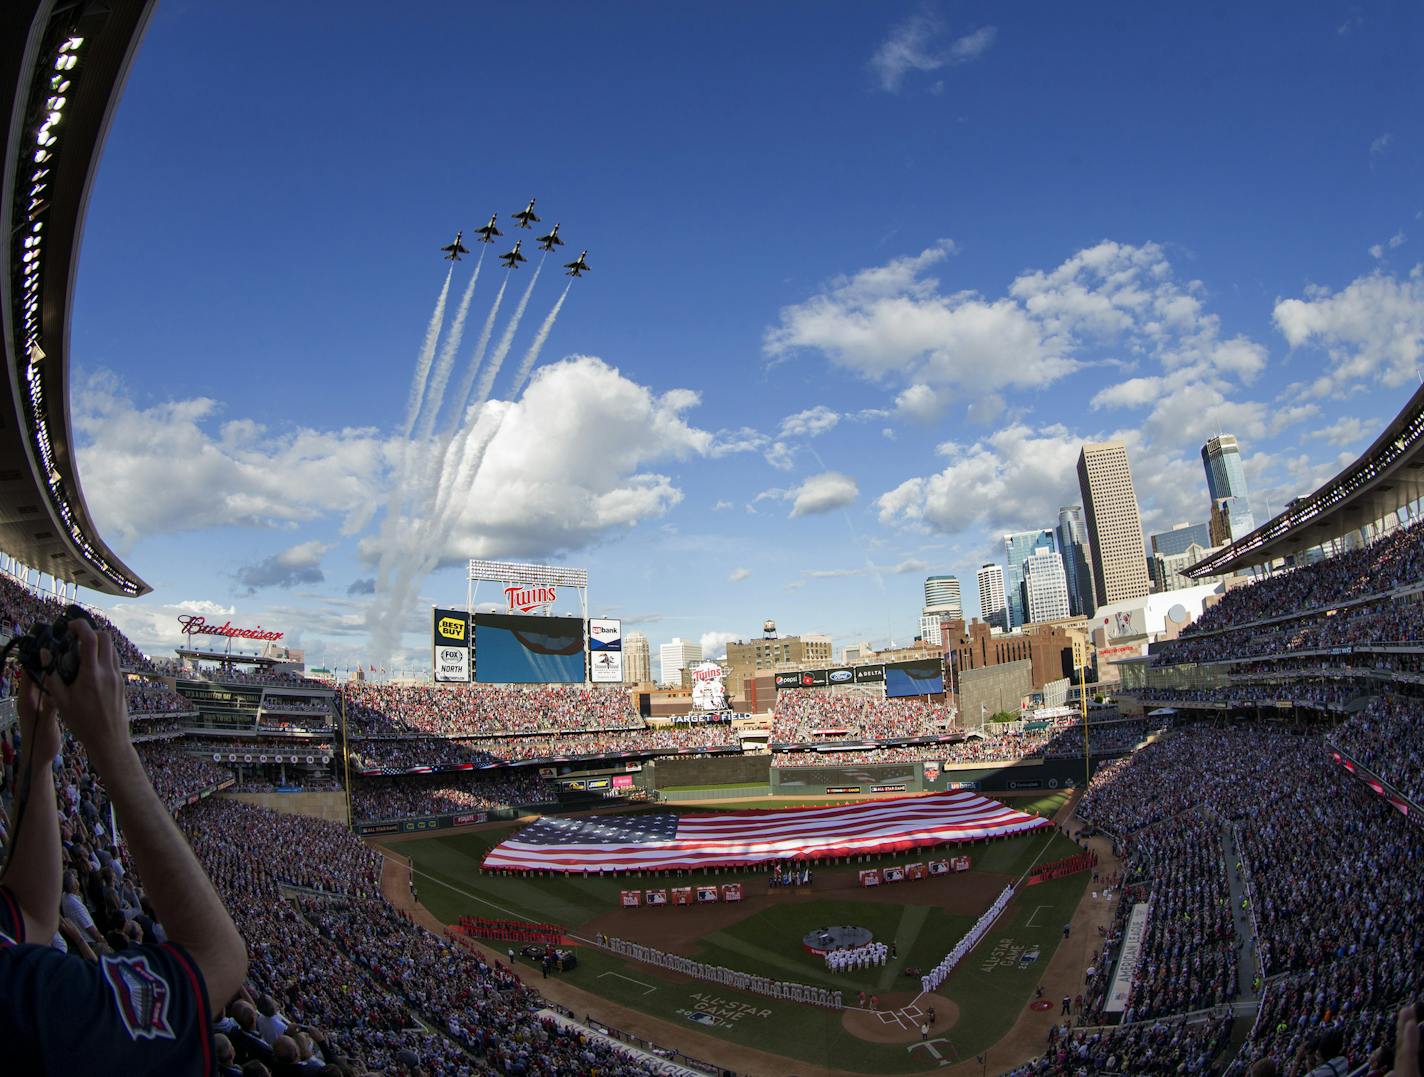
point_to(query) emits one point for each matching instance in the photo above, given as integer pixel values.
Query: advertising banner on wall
(450, 639)
(1125, 624)
(605, 651)
(869, 674)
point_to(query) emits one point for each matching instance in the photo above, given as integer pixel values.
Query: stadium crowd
(403, 754)
(994, 746)
(817, 717)
(150, 697)
(403, 710)
(1384, 736)
(387, 798)
(1392, 562)
(1330, 870)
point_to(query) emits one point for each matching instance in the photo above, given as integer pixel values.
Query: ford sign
(840, 676)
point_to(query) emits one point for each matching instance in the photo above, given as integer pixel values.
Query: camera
(55, 638)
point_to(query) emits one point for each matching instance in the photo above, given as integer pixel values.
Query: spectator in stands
(205, 959)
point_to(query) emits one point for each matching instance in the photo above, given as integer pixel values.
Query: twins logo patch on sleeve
(141, 996)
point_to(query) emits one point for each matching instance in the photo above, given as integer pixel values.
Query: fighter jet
(456, 249)
(512, 258)
(489, 231)
(577, 266)
(526, 215)
(552, 240)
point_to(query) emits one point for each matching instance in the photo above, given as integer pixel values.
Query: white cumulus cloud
(823, 493)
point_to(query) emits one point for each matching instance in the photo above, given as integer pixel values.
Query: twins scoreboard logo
(529, 599)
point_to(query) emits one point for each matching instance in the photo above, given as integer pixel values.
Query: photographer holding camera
(146, 1009)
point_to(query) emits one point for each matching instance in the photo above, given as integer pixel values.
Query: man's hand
(1406, 1043)
(39, 731)
(93, 707)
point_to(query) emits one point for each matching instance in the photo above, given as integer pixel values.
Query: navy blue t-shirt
(144, 1010)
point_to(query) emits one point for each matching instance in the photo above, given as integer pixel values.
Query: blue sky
(865, 277)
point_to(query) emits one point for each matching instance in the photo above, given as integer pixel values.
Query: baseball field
(762, 934)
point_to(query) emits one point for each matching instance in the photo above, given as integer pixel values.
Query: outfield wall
(922, 776)
(707, 770)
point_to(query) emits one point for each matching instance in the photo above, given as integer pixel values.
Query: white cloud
(1348, 430)
(155, 629)
(916, 44)
(809, 423)
(173, 467)
(1379, 146)
(920, 403)
(905, 567)
(295, 565)
(1394, 242)
(1108, 304)
(892, 323)
(571, 460)
(823, 493)
(714, 644)
(1017, 478)
(721, 505)
(737, 575)
(1372, 329)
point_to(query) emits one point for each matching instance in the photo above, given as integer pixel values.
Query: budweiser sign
(195, 625)
(529, 599)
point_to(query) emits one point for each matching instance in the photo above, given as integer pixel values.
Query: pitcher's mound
(899, 1017)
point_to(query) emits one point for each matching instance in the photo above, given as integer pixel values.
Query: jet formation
(511, 259)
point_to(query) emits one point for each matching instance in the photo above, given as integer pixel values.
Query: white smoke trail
(450, 464)
(436, 395)
(390, 522)
(532, 355)
(462, 400)
(466, 463)
(427, 353)
(502, 348)
(420, 544)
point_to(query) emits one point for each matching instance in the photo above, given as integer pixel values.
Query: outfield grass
(991, 987)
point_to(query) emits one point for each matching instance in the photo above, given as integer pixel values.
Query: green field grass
(991, 987)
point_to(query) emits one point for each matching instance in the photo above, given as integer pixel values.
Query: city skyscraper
(676, 656)
(1073, 548)
(1045, 586)
(1231, 514)
(942, 603)
(637, 660)
(1018, 548)
(1175, 541)
(942, 592)
(992, 606)
(1114, 523)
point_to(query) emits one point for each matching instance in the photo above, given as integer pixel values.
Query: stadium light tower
(1083, 703)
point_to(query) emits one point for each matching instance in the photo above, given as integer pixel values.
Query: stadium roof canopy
(62, 63)
(1386, 476)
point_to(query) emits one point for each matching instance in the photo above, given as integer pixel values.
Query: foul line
(1036, 910)
(410, 867)
(620, 976)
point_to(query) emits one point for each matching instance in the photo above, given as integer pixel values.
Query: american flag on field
(662, 840)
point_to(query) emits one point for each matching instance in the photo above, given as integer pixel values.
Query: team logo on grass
(702, 1017)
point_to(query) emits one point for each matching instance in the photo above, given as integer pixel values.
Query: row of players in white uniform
(937, 975)
(860, 957)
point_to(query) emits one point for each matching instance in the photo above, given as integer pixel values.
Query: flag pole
(1083, 702)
